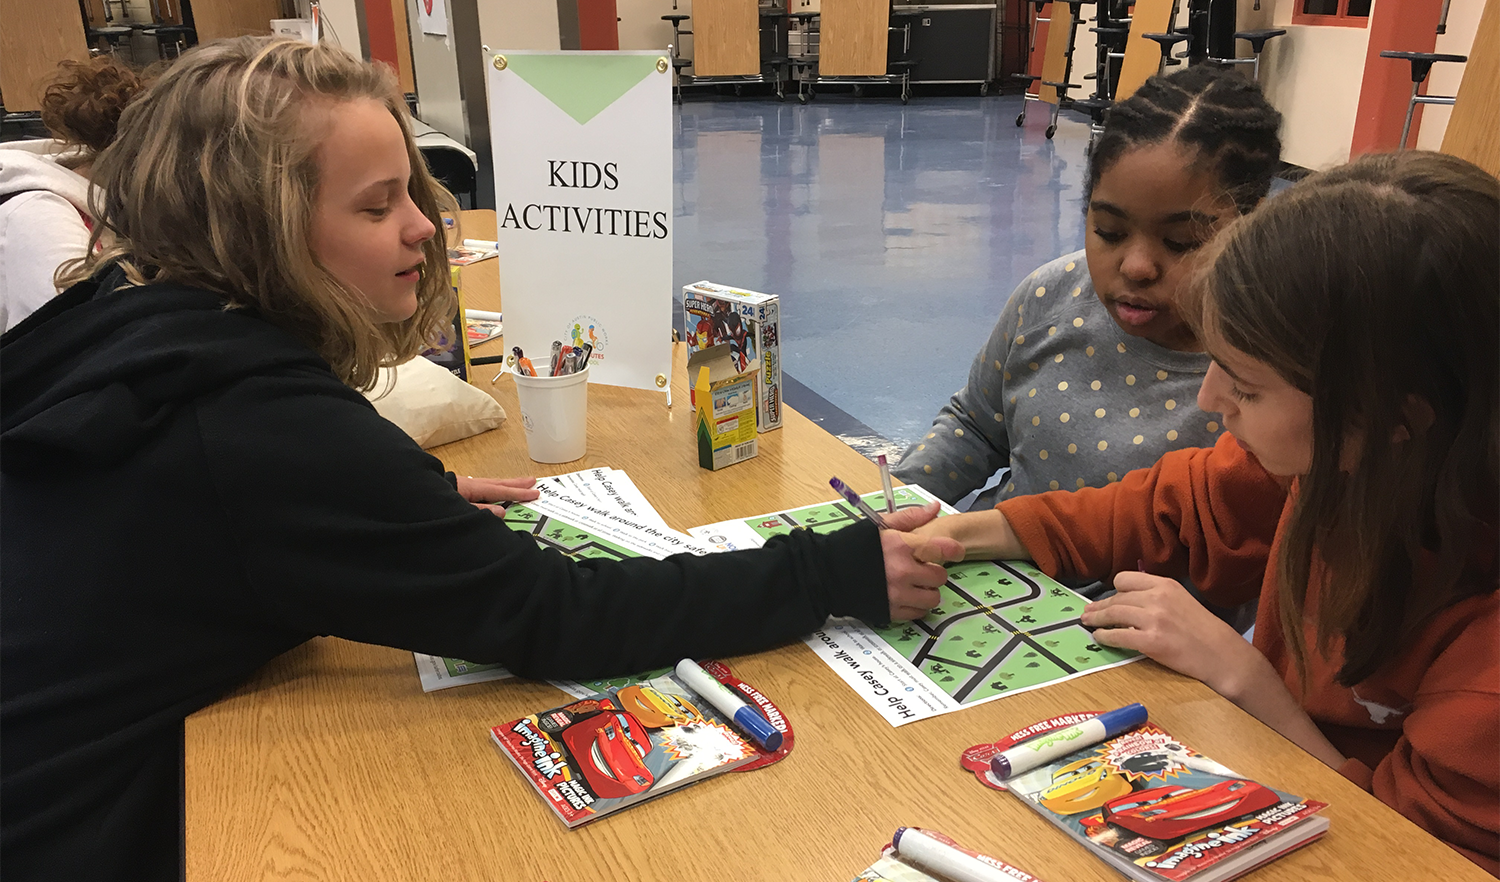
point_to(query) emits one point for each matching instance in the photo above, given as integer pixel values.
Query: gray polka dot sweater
(1062, 396)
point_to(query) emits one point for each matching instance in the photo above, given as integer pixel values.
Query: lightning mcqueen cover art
(625, 745)
(1157, 810)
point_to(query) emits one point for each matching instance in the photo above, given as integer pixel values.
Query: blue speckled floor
(893, 235)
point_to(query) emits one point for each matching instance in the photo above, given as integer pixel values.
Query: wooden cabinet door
(36, 36)
(217, 19)
(855, 35)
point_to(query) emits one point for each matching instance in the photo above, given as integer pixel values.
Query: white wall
(641, 26)
(434, 65)
(1313, 75)
(518, 24)
(1463, 24)
(341, 24)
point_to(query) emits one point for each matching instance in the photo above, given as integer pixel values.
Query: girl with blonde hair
(191, 484)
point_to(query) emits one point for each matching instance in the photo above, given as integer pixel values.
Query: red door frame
(598, 25)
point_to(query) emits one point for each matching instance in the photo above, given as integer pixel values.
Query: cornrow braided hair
(1208, 108)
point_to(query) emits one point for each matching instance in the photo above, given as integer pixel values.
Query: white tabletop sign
(583, 200)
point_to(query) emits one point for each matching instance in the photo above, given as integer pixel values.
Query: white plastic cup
(554, 411)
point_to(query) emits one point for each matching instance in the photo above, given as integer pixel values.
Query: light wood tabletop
(332, 764)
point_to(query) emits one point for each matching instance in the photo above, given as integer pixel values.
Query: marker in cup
(729, 704)
(1049, 746)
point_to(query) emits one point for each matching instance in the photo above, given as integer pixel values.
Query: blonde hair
(212, 180)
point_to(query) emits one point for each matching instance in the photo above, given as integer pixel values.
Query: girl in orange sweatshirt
(1354, 325)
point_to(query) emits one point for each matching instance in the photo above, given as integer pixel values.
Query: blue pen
(729, 704)
(859, 504)
(1050, 745)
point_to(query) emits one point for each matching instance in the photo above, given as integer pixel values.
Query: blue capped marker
(729, 704)
(1049, 746)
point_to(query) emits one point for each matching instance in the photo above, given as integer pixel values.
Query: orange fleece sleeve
(1444, 772)
(1205, 513)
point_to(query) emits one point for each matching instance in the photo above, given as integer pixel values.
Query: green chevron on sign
(582, 85)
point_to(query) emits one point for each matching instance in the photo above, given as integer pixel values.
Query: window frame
(1340, 19)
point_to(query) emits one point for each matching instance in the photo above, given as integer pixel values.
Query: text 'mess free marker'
(729, 704)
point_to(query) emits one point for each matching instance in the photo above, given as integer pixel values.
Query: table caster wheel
(1051, 130)
(1020, 119)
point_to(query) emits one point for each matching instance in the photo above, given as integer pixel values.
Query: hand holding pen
(913, 564)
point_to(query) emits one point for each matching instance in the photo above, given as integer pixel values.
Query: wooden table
(333, 764)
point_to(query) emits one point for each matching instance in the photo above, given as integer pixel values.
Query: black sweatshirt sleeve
(349, 528)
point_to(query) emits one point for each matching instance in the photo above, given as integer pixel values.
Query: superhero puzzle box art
(750, 322)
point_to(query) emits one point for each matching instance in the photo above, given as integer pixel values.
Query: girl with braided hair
(1353, 324)
(1091, 371)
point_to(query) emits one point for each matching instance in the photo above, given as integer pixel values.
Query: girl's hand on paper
(913, 563)
(484, 491)
(1157, 617)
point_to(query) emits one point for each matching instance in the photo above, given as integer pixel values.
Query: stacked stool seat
(1166, 42)
(1421, 66)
